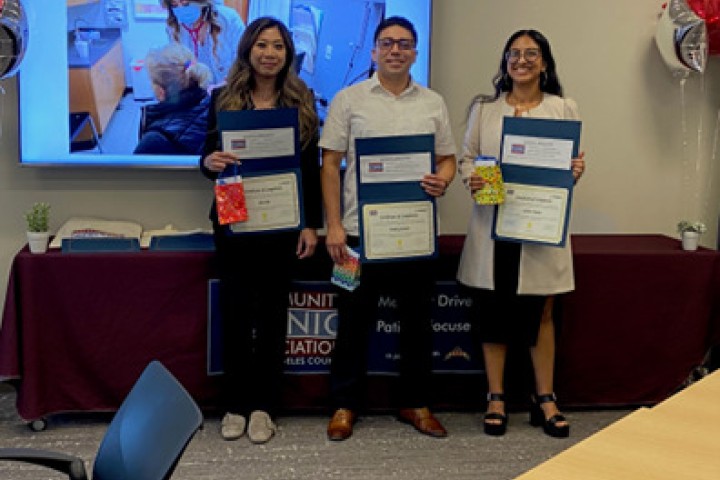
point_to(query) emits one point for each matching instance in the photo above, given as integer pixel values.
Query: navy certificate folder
(541, 176)
(372, 196)
(99, 245)
(194, 242)
(254, 121)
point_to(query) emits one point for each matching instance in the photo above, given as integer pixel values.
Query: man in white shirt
(389, 103)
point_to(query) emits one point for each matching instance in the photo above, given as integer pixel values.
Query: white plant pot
(38, 241)
(690, 240)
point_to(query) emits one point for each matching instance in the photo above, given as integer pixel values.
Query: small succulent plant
(38, 217)
(685, 226)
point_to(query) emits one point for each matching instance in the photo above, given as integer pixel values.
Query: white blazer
(544, 270)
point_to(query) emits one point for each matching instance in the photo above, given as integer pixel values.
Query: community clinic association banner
(312, 326)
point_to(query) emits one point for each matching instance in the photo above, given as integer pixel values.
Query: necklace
(524, 106)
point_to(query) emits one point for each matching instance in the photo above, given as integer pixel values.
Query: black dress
(501, 315)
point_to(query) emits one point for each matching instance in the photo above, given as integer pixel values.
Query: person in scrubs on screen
(210, 31)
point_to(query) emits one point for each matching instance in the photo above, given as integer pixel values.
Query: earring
(543, 78)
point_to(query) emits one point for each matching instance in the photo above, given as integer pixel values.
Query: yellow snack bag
(493, 193)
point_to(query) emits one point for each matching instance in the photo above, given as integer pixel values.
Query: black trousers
(255, 279)
(411, 284)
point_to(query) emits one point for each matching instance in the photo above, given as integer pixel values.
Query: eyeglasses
(530, 55)
(402, 43)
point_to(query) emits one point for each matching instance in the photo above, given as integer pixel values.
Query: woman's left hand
(307, 241)
(578, 166)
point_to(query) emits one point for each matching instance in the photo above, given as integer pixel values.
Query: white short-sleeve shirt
(368, 110)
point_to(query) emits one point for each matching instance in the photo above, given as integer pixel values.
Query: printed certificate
(537, 152)
(272, 203)
(394, 168)
(260, 143)
(533, 213)
(398, 230)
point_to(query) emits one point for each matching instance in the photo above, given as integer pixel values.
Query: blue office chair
(145, 439)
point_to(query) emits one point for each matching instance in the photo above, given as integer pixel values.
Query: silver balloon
(13, 36)
(681, 37)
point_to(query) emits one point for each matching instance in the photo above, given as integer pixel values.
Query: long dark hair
(502, 81)
(292, 92)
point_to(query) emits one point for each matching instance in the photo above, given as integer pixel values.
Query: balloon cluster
(687, 32)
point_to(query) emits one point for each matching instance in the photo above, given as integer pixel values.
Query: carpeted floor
(381, 447)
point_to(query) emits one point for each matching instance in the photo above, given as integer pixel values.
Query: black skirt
(501, 315)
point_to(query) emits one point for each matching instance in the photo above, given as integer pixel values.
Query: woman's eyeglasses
(530, 54)
(402, 43)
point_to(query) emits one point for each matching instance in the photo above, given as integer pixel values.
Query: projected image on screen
(85, 83)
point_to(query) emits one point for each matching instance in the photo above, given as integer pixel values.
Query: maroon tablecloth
(79, 328)
(641, 317)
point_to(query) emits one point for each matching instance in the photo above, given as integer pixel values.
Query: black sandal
(495, 429)
(550, 425)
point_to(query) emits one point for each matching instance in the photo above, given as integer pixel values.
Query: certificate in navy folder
(396, 216)
(536, 159)
(267, 143)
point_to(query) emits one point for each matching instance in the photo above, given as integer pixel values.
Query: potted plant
(38, 226)
(690, 232)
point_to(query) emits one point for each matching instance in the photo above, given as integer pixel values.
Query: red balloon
(709, 10)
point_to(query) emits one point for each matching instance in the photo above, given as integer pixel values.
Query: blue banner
(312, 326)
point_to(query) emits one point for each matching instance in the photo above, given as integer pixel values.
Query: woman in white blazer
(513, 283)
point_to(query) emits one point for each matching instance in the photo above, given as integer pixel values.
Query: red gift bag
(230, 200)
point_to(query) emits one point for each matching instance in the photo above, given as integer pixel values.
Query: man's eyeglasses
(402, 43)
(530, 55)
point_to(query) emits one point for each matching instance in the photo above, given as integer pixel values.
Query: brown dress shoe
(341, 424)
(423, 421)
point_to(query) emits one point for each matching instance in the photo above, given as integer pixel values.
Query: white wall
(644, 140)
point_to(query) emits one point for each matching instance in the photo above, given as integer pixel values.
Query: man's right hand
(335, 241)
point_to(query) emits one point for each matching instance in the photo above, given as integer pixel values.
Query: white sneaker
(233, 426)
(261, 427)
